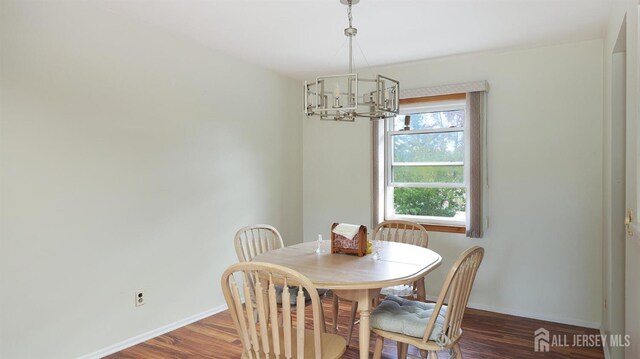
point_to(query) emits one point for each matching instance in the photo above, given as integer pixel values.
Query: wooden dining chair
(404, 232)
(256, 239)
(393, 231)
(429, 326)
(261, 333)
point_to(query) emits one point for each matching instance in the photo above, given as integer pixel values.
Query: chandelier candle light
(345, 97)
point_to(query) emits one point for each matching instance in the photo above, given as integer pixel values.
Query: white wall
(129, 158)
(545, 165)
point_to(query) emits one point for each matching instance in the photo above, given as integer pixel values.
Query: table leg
(363, 297)
(364, 306)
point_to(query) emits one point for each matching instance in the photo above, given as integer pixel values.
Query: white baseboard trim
(153, 333)
(605, 345)
(518, 313)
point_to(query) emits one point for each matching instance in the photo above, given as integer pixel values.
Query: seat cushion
(407, 317)
(402, 290)
(293, 294)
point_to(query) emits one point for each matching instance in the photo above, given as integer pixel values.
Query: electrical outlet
(140, 298)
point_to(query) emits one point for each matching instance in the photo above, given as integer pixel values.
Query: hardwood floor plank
(486, 335)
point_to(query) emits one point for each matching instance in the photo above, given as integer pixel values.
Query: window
(425, 164)
(431, 170)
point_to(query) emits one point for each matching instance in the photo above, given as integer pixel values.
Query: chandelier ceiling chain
(376, 98)
(350, 32)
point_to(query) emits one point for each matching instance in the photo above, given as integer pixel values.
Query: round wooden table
(356, 278)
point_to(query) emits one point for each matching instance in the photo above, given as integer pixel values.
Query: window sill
(444, 228)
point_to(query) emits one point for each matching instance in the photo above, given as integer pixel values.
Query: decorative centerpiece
(349, 238)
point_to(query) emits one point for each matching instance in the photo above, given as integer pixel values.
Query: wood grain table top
(399, 264)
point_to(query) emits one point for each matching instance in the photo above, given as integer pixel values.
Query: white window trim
(389, 185)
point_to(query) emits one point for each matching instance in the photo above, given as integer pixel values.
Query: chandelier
(345, 97)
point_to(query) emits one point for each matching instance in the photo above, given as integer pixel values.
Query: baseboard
(605, 345)
(153, 333)
(518, 313)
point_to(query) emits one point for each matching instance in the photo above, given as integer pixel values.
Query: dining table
(356, 278)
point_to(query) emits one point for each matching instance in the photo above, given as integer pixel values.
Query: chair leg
(402, 350)
(421, 291)
(456, 349)
(334, 314)
(352, 321)
(377, 352)
(433, 354)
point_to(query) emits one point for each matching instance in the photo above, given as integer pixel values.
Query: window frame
(431, 222)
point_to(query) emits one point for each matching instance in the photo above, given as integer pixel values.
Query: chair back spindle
(402, 231)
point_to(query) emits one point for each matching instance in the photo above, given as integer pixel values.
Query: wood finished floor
(486, 335)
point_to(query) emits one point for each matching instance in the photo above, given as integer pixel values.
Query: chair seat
(407, 317)
(333, 346)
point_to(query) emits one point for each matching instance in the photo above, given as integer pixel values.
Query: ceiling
(304, 38)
